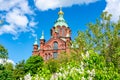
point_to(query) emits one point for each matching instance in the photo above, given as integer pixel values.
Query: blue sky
(23, 19)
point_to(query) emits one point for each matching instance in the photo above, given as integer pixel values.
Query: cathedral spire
(42, 37)
(60, 12)
(35, 43)
(60, 21)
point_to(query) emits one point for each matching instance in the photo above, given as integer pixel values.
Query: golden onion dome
(60, 12)
(60, 21)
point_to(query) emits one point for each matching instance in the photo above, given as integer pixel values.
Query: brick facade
(59, 41)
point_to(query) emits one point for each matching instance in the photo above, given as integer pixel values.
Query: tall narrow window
(58, 32)
(55, 46)
(48, 56)
(55, 54)
(63, 32)
(45, 57)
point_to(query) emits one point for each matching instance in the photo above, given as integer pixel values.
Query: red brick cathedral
(59, 41)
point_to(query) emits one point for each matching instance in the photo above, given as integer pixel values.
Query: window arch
(55, 45)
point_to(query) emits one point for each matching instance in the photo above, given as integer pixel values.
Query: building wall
(60, 33)
(47, 48)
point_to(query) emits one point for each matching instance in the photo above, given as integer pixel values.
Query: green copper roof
(60, 21)
(42, 37)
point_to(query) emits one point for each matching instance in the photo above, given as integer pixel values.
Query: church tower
(59, 41)
(60, 28)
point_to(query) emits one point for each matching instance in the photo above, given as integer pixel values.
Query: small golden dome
(60, 12)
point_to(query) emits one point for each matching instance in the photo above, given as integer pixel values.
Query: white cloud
(6, 5)
(8, 29)
(10, 61)
(15, 14)
(23, 5)
(4, 61)
(32, 23)
(16, 18)
(52, 4)
(113, 7)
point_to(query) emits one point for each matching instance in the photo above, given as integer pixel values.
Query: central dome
(60, 21)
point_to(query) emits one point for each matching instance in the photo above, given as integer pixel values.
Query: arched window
(55, 45)
(55, 54)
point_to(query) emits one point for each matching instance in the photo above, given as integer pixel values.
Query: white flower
(82, 69)
(68, 67)
(82, 55)
(54, 76)
(88, 71)
(28, 77)
(77, 70)
(66, 72)
(93, 72)
(83, 78)
(64, 76)
(82, 66)
(72, 70)
(87, 54)
(40, 79)
(61, 69)
(82, 63)
(20, 78)
(59, 74)
(89, 78)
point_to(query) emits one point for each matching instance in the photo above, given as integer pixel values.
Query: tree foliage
(103, 37)
(3, 52)
(6, 72)
(95, 55)
(33, 63)
(6, 75)
(19, 70)
(52, 65)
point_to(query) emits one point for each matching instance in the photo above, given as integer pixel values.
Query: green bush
(33, 63)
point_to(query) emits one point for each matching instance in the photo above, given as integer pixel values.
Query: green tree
(8, 66)
(6, 75)
(3, 52)
(6, 69)
(19, 70)
(33, 64)
(6, 72)
(103, 37)
(95, 54)
(2, 67)
(52, 65)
